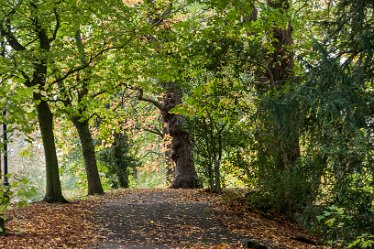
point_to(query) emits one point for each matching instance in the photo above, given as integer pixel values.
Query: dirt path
(161, 219)
(142, 219)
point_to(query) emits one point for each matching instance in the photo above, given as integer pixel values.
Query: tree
(82, 72)
(113, 127)
(213, 126)
(278, 112)
(168, 81)
(34, 73)
(180, 147)
(337, 101)
(78, 116)
(61, 61)
(214, 100)
(282, 70)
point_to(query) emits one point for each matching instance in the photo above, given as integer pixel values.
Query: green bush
(363, 241)
(340, 227)
(19, 192)
(282, 192)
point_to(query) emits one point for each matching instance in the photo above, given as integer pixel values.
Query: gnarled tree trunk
(180, 147)
(185, 173)
(170, 165)
(181, 150)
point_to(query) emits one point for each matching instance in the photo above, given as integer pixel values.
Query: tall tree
(86, 69)
(35, 51)
(281, 72)
(162, 41)
(278, 113)
(180, 146)
(77, 112)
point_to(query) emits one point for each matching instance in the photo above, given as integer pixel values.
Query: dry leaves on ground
(73, 225)
(43, 225)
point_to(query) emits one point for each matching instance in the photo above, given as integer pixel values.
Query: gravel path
(159, 219)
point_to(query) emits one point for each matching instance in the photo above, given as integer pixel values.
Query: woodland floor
(148, 219)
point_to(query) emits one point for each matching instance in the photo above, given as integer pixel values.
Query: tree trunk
(45, 118)
(210, 174)
(180, 147)
(88, 149)
(285, 148)
(282, 69)
(217, 165)
(123, 176)
(2, 226)
(5, 202)
(208, 140)
(120, 150)
(181, 150)
(170, 165)
(217, 177)
(38, 79)
(185, 173)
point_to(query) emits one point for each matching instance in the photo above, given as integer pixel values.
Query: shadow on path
(159, 219)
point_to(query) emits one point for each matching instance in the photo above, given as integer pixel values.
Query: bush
(20, 192)
(341, 226)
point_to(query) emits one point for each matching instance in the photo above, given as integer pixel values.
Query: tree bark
(217, 165)
(185, 173)
(45, 118)
(180, 147)
(281, 63)
(119, 150)
(170, 165)
(181, 150)
(88, 150)
(282, 69)
(283, 149)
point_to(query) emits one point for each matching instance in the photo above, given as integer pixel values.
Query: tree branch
(12, 40)
(88, 63)
(80, 46)
(57, 25)
(28, 82)
(159, 105)
(154, 131)
(6, 31)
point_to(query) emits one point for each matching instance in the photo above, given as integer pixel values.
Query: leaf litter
(148, 218)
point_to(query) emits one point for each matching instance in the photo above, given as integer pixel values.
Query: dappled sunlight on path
(186, 219)
(158, 218)
(162, 218)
